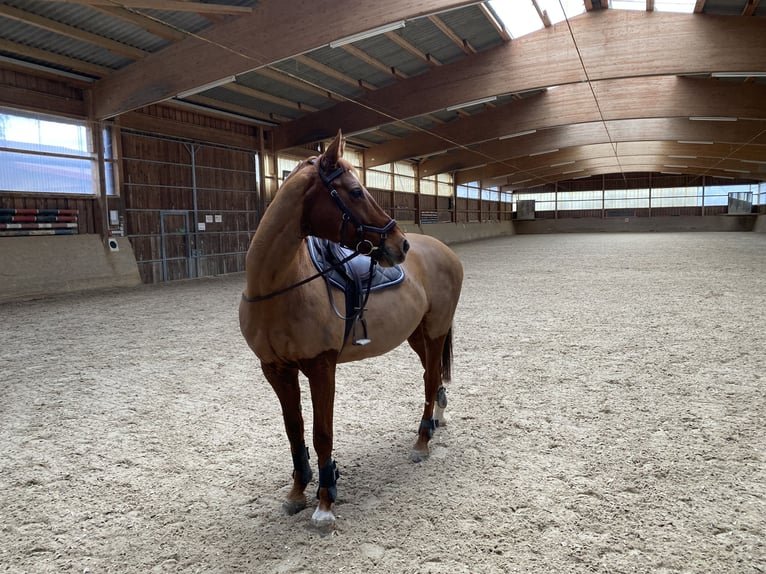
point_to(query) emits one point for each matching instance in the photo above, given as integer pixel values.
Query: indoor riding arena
(599, 169)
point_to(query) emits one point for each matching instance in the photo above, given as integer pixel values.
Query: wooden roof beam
(228, 48)
(449, 32)
(649, 45)
(71, 32)
(750, 7)
(665, 96)
(171, 5)
(621, 132)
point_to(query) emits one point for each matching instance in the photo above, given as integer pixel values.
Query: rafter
(750, 7)
(149, 24)
(666, 96)
(228, 48)
(613, 44)
(377, 64)
(450, 33)
(495, 23)
(174, 5)
(404, 44)
(65, 62)
(296, 82)
(249, 92)
(70, 31)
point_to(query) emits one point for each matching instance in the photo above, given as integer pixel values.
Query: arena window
(47, 155)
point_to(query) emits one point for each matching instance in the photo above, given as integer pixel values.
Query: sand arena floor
(607, 415)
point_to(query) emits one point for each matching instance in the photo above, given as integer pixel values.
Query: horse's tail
(447, 357)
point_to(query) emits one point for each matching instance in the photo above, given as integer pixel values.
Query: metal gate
(175, 242)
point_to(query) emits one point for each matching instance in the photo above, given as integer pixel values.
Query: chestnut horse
(290, 324)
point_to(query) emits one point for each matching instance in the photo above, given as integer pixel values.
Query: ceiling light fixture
(712, 119)
(738, 74)
(518, 134)
(737, 170)
(562, 163)
(543, 152)
(675, 165)
(683, 156)
(367, 34)
(205, 87)
(572, 171)
(471, 103)
(520, 182)
(695, 142)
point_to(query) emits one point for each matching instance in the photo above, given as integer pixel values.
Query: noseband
(363, 246)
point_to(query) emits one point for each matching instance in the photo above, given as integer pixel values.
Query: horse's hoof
(291, 507)
(323, 519)
(419, 455)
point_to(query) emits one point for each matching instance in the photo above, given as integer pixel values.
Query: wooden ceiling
(607, 91)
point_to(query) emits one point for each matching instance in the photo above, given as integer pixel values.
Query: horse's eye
(356, 193)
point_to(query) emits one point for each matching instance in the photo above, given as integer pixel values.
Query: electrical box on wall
(113, 245)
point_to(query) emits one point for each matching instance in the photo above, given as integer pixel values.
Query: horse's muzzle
(388, 256)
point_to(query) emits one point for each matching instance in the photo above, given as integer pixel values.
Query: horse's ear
(334, 152)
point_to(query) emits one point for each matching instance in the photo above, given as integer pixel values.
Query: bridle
(363, 246)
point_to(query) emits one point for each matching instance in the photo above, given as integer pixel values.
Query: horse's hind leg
(284, 381)
(430, 352)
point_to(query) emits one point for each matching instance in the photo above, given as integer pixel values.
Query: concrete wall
(32, 267)
(760, 224)
(461, 232)
(639, 224)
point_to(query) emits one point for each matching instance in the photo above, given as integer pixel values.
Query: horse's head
(339, 208)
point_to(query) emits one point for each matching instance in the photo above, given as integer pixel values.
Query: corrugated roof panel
(723, 7)
(424, 35)
(472, 25)
(351, 66)
(318, 78)
(23, 33)
(285, 91)
(261, 106)
(390, 53)
(95, 22)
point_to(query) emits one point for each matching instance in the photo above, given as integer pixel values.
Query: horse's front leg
(430, 353)
(321, 374)
(284, 381)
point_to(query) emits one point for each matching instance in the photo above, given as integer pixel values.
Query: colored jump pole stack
(20, 222)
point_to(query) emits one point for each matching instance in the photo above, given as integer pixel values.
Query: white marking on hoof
(323, 518)
(441, 416)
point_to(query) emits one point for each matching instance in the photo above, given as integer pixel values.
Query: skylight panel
(627, 4)
(682, 6)
(518, 17)
(572, 8)
(679, 6)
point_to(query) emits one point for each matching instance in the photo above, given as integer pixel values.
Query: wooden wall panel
(159, 175)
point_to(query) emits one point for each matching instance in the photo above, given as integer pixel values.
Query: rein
(363, 247)
(327, 271)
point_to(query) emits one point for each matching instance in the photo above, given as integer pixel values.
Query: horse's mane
(299, 167)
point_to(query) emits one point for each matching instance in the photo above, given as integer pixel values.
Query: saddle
(356, 278)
